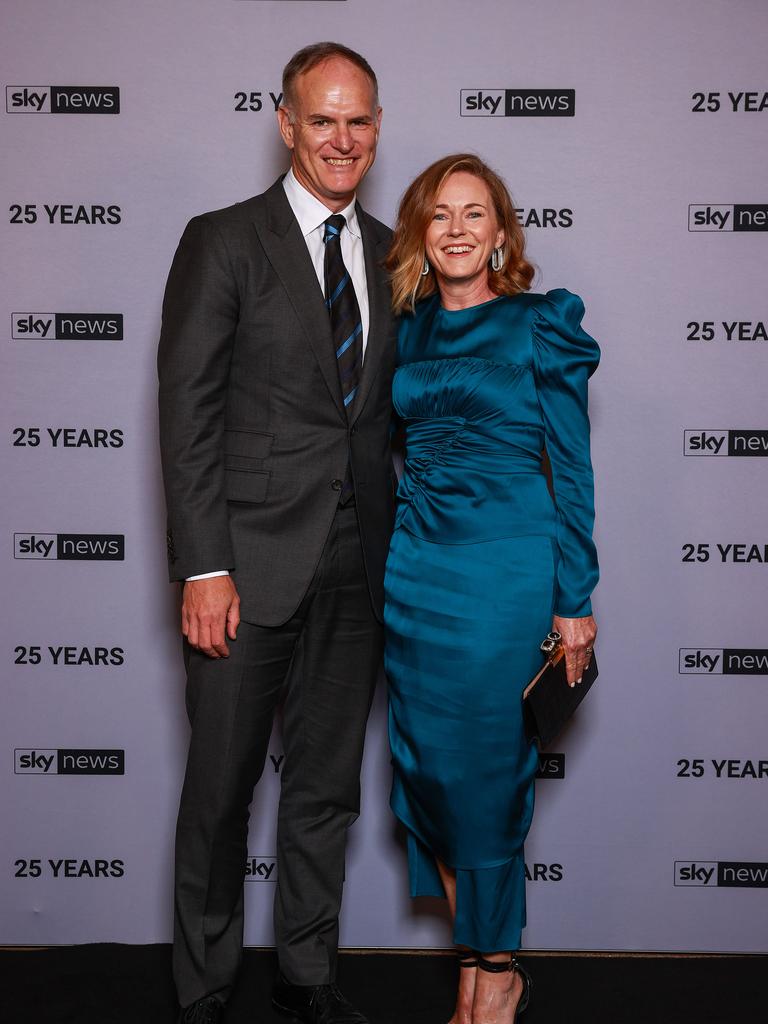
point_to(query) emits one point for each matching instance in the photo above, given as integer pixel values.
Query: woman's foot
(500, 989)
(465, 996)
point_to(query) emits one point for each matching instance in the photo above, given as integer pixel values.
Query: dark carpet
(116, 984)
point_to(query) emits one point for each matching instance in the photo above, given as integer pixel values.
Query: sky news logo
(88, 761)
(102, 547)
(725, 442)
(62, 99)
(260, 869)
(517, 103)
(726, 874)
(67, 326)
(744, 217)
(723, 661)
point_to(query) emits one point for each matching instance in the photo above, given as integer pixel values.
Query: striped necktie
(346, 324)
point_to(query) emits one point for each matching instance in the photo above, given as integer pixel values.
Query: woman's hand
(578, 640)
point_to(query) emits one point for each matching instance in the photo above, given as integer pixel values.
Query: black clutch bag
(548, 700)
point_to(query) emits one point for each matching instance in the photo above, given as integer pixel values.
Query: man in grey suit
(275, 363)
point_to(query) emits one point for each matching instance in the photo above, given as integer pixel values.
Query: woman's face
(464, 230)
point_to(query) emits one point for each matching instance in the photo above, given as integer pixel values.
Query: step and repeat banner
(633, 137)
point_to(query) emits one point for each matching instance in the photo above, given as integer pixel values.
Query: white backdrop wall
(650, 831)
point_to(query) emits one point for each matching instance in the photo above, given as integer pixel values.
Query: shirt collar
(310, 212)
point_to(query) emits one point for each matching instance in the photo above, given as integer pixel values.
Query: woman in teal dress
(483, 562)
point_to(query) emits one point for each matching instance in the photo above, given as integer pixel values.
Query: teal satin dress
(480, 560)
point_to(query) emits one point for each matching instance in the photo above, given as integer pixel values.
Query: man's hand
(210, 612)
(578, 640)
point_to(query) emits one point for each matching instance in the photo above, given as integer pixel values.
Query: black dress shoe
(314, 1004)
(204, 1011)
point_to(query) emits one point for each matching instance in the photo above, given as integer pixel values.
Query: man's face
(332, 130)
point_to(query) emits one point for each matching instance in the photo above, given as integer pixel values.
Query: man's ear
(286, 125)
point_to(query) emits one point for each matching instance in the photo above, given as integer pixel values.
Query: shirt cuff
(208, 575)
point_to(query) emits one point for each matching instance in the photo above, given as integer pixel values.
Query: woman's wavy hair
(405, 260)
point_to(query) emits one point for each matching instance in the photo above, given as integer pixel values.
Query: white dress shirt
(312, 215)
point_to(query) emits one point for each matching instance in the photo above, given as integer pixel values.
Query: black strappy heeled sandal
(514, 965)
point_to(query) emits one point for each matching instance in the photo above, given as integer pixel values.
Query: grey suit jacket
(254, 436)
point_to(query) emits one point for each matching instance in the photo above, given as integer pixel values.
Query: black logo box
(551, 766)
(725, 874)
(734, 658)
(110, 547)
(753, 223)
(63, 95)
(739, 443)
(739, 874)
(66, 326)
(81, 762)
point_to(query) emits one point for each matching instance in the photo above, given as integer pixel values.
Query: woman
(483, 563)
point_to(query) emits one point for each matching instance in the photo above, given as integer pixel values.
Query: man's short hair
(310, 56)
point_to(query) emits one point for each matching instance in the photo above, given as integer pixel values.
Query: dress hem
(443, 860)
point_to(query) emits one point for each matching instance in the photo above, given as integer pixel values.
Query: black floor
(115, 984)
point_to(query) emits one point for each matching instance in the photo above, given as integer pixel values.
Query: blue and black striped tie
(346, 327)
(346, 324)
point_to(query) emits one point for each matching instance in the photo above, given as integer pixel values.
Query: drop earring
(425, 268)
(497, 260)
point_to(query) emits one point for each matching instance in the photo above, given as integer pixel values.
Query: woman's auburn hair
(405, 259)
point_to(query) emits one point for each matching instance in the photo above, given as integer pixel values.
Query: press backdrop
(633, 137)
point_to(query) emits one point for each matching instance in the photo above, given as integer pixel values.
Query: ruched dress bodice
(482, 392)
(480, 560)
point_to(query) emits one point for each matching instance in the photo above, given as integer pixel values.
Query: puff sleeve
(564, 357)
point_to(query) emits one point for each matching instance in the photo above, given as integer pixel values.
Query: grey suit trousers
(322, 664)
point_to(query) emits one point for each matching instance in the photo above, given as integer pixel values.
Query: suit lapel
(378, 309)
(287, 252)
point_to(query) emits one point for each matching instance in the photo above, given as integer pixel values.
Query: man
(275, 362)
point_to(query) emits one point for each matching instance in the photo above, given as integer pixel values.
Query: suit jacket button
(336, 485)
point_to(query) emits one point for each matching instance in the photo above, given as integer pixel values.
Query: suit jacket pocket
(246, 485)
(249, 444)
